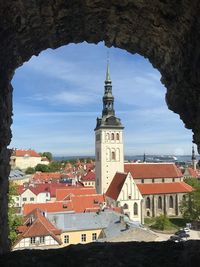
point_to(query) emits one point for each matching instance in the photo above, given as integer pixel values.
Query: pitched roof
(89, 176)
(40, 188)
(164, 188)
(62, 193)
(192, 172)
(77, 204)
(153, 170)
(46, 176)
(116, 185)
(22, 153)
(36, 224)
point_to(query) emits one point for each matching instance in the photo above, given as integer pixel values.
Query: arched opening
(112, 136)
(148, 203)
(159, 202)
(135, 209)
(125, 206)
(171, 202)
(117, 136)
(53, 30)
(113, 155)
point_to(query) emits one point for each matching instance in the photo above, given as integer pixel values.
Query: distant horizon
(57, 97)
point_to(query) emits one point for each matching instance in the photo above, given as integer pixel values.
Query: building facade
(109, 149)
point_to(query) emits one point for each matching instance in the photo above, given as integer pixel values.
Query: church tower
(109, 148)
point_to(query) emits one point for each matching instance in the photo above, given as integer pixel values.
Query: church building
(109, 151)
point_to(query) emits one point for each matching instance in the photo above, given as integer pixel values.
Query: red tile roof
(62, 193)
(40, 188)
(192, 172)
(90, 176)
(116, 185)
(47, 207)
(36, 224)
(152, 170)
(164, 188)
(74, 204)
(46, 176)
(22, 153)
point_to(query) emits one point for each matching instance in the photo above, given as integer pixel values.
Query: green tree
(41, 168)
(13, 220)
(30, 170)
(193, 182)
(162, 222)
(190, 206)
(47, 155)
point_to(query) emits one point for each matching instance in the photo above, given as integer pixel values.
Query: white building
(22, 159)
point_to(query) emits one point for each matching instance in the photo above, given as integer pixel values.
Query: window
(135, 209)
(83, 238)
(159, 203)
(24, 199)
(173, 179)
(142, 181)
(113, 155)
(94, 236)
(153, 181)
(32, 240)
(17, 198)
(47, 194)
(163, 180)
(112, 136)
(66, 239)
(184, 197)
(42, 239)
(125, 206)
(31, 198)
(171, 202)
(148, 203)
(117, 136)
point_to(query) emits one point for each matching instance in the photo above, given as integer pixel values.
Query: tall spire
(193, 154)
(108, 79)
(108, 99)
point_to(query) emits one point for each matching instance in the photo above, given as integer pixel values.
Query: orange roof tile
(22, 153)
(36, 224)
(78, 204)
(46, 176)
(164, 188)
(153, 170)
(192, 172)
(116, 185)
(62, 193)
(90, 176)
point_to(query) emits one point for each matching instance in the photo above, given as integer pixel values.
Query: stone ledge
(137, 254)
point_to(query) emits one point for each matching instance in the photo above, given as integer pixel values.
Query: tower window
(117, 136)
(113, 155)
(112, 136)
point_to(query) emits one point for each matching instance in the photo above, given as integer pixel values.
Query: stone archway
(165, 32)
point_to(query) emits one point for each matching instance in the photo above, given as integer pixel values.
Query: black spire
(108, 99)
(193, 154)
(108, 119)
(144, 157)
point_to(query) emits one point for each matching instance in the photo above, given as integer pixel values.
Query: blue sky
(58, 95)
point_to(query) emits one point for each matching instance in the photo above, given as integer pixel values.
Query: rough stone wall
(125, 254)
(164, 31)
